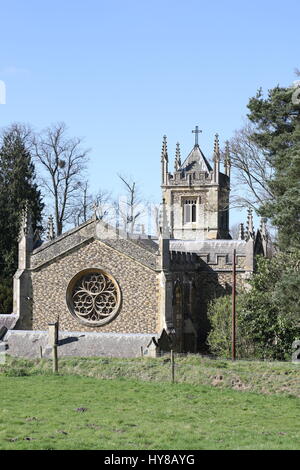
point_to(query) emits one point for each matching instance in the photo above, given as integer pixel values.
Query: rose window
(94, 297)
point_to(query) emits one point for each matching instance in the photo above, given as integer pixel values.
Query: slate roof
(195, 161)
(142, 250)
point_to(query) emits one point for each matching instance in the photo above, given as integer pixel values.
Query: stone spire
(50, 229)
(25, 238)
(241, 235)
(216, 148)
(263, 226)
(264, 235)
(250, 226)
(164, 150)
(26, 223)
(177, 157)
(164, 160)
(227, 161)
(216, 159)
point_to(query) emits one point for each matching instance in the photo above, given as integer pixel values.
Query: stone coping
(80, 333)
(9, 321)
(33, 343)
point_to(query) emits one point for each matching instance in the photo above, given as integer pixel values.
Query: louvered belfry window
(189, 210)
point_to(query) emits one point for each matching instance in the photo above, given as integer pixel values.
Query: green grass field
(71, 411)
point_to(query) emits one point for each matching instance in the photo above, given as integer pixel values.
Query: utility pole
(234, 305)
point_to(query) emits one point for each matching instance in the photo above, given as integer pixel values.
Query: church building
(152, 291)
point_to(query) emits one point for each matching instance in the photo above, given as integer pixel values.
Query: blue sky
(122, 74)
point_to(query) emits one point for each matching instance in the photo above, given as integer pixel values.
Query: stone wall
(138, 284)
(30, 344)
(192, 294)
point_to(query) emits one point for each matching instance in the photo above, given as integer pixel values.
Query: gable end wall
(139, 288)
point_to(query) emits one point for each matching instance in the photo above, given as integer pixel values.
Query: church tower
(196, 194)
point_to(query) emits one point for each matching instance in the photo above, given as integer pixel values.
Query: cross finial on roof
(196, 131)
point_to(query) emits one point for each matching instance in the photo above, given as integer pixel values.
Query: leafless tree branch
(133, 209)
(64, 164)
(251, 171)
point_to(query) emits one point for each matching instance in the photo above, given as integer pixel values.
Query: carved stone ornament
(93, 297)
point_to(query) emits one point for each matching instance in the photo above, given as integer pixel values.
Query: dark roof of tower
(195, 161)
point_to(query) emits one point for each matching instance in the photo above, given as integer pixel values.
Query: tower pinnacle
(164, 150)
(216, 159)
(50, 229)
(164, 161)
(26, 223)
(177, 157)
(250, 227)
(227, 162)
(216, 148)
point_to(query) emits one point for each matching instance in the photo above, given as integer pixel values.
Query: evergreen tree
(6, 296)
(17, 182)
(269, 313)
(277, 120)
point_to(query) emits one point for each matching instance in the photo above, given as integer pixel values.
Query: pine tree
(277, 119)
(17, 182)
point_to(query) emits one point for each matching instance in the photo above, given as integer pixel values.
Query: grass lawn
(44, 411)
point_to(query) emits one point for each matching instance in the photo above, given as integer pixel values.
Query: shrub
(220, 336)
(16, 372)
(268, 315)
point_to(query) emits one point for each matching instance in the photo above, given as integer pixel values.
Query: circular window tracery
(94, 297)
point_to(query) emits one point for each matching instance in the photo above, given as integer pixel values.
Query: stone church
(148, 291)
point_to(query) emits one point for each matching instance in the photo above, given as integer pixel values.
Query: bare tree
(90, 205)
(132, 208)
(103, 205)
(64, 164)
(252, 170)
(82, 206)
(234, 231)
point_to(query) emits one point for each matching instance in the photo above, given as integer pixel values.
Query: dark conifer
(17, 183)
